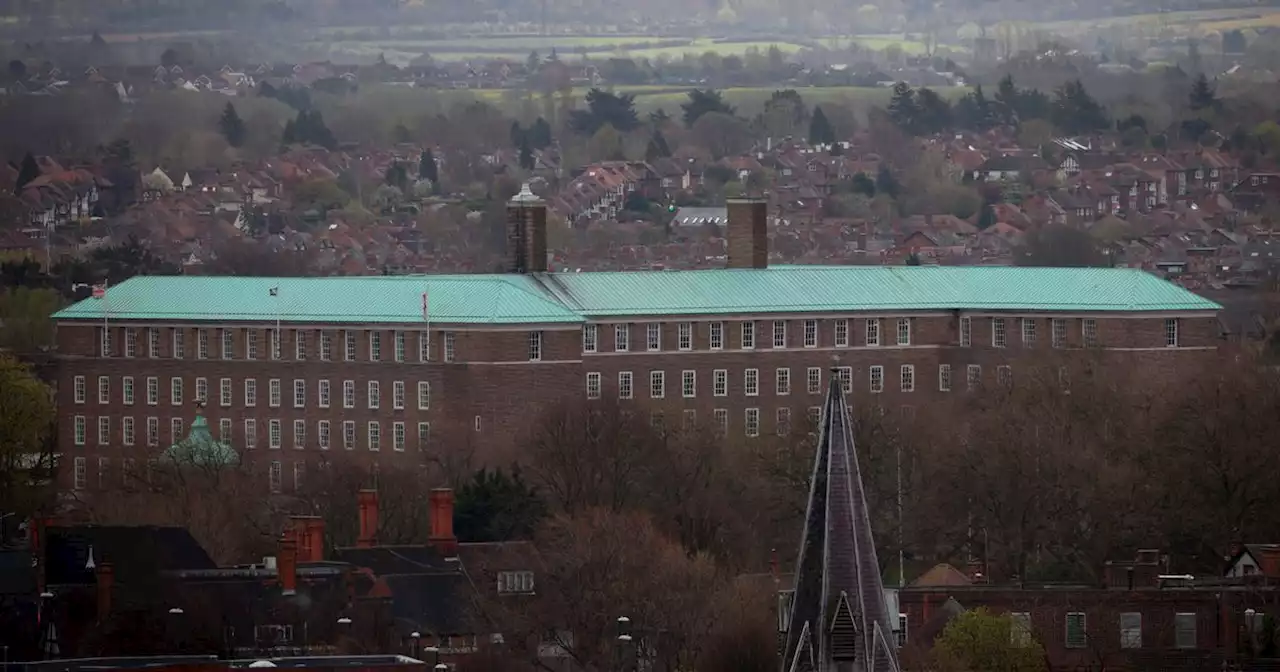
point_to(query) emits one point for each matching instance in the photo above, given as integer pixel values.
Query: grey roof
(838, 611)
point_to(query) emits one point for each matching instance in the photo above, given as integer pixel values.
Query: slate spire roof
(838, 615)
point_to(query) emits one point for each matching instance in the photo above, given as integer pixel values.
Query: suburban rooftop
(551, 298)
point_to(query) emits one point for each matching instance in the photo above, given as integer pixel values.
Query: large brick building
(392, 368)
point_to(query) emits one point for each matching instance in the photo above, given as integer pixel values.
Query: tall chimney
(315, 531)
(442, 536)
(748, 232)
(368, 501)
(106, 578)
(287, 563)
(309, 532)
(526, 233)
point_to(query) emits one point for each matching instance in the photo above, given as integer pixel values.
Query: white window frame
(593, 385)
(424, 435)
(348, 435)
(323, 434)
(973, 376)
(128, 392)
(80, 430)
(904, 331)
(202, 344)
(684, 336)
(202, 390)
(299, 393)
(274, 393)
(842, 333)
(326, 346)
(1028, 332)
(873, 332)
(275, 434)
(324, 393)
(250, 392)
(424, 395)
(689, 384)
(81, 474)
(779, 334)
(535, 346)
(721, 416)
(373, 395)
(104, 390)
(999, 337)
(348, 346)
(751, 382)
(153, 342)
(398, 436)
(300, 345)
(720, 383)
(175, 430)
(177, 344)
(590, 338)
(375, 345)
(751, 422)
(79, 390)
(128, 433)
(299, 434)
(813, 380)
(966, 332)
(424, 346)
(782, 381)
(104, 430)
(810, 333)
(348, 394)
(250, 344)
(175, 391)
(846, 378)
(653, 337)
(153, 431)
(657, 384)
(227, 344)
(397, 395)
(782, 421)
(275, 477)
(907, 378)
(1131, 630)
(748, 333)
(397, 339)
(1058, 333)
(373, 436)
(621, 337)
(130, 343)
(153, 391)
(1020, 629)
(1171, 332)
(715, 335)
(875, 379)
(626, 385)
(944, 377)
(1089, 332)
(450, 347)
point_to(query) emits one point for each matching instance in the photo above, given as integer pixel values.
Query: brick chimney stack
(526, 233)
(442, 537)
(287, 563)
(368, 503)
(309, 532)
(106, 579)
(748, 232)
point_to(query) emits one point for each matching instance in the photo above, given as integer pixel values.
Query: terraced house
(392, 369)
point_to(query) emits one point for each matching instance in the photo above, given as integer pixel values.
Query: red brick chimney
(287, 563)
(442, 537)
(309, 531)
(747, 232)
(106, 578)
(368, 502)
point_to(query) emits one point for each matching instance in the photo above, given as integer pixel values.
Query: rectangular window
(998, 339)
(908, 378)
(323, 394)
(348, 346)
(751, 382)
(153, 431)
(657, 384)
(782, 381)
(326, 346)
(590, 334)
(810, 333)
(399, 345)
(715, 335)
(250, 392)
(593, 385)
(348, 435)
(175, 430)
(153, 342)
(81, 473)
(424, 395)
(127, 430)
(299, 345)
(130, 343)
(153, 390)
(202, 390)
(720, 382)
(653, 336)
(748, 335)
(80, 430)
(276, 344)
(1131, 630)
(1171, 332)
(1028, 332)
(625, 390)
(250, 344)
(104, 389)
(397, 395)
(449, 347)
(299, 394)
(722, 421)
(1076, 635)
(944, 377)
(689, 419)
(846, 378)
(299, 475)
(779, 334)
(966, 332)
(424, 435)
(689, 384)
(224, 430)
(375, 436)
(202, 344)
(877, 379)
(973, 376)
(1004, 375)
(873, 331)
(535, 346)
(273, 434)
(1058, 329)
(374, 395)
(813, 380)
(224, 392)
(299, 434)
(348, 394)
(1089, 332)
(397, 437)
(782, 422)
(842, 333)
(621, 337)
(322, 434)
(273, 393)
(178, 348)
(685, 336)
(904, 331)
(175, 391)
(79, 389)
(424, 346)
(1020, 629)
(127, 390)
(1184, 631)
(900, 635)
(228, 343)
(375, 346)
(275, 477)
(753, 422)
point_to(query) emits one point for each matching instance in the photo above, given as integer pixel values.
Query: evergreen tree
(902, 107)
(974, 111)
(933, 113)
(427, 169)
(539, 134)
(1007, 99)
(290, 135)
(29, 170)
(986, 217)
(516, 134)
(1075, 111)
(231, 126)
(886, 183)
(657, 148)
(526, 155)
(864, 185)
(1203, 96)
(820, 131)
(397, 176)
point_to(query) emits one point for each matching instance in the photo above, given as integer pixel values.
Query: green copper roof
(573, 297)
(201, 449)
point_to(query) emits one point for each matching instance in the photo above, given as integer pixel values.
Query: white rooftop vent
(262, 663)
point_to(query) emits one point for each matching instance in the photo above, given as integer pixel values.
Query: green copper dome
(201, 449)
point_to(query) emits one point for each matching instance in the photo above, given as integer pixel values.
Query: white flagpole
(106, 316)
(426, 317)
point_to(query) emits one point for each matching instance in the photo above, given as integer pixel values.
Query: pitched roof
(574, 297)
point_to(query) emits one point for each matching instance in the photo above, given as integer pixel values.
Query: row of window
(243, 344)
(249, 439)
(715, 336)
(1076, 632)
(782, 381)
(80, 473)
(226, 392)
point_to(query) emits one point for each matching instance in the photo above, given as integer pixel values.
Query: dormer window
(515, 582)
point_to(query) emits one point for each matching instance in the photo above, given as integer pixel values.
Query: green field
(517, 48)
(1210, 19)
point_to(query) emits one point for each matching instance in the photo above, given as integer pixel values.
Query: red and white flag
(424, 306)
(99, 291)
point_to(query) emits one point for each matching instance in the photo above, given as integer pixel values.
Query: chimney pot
(747, 232)
(287, 564)
(526, 233)
(368, 503)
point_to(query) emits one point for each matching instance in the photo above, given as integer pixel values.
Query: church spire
(838, 618)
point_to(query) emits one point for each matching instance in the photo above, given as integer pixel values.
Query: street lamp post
(175, 618)
(414, 638)
(623, 642)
